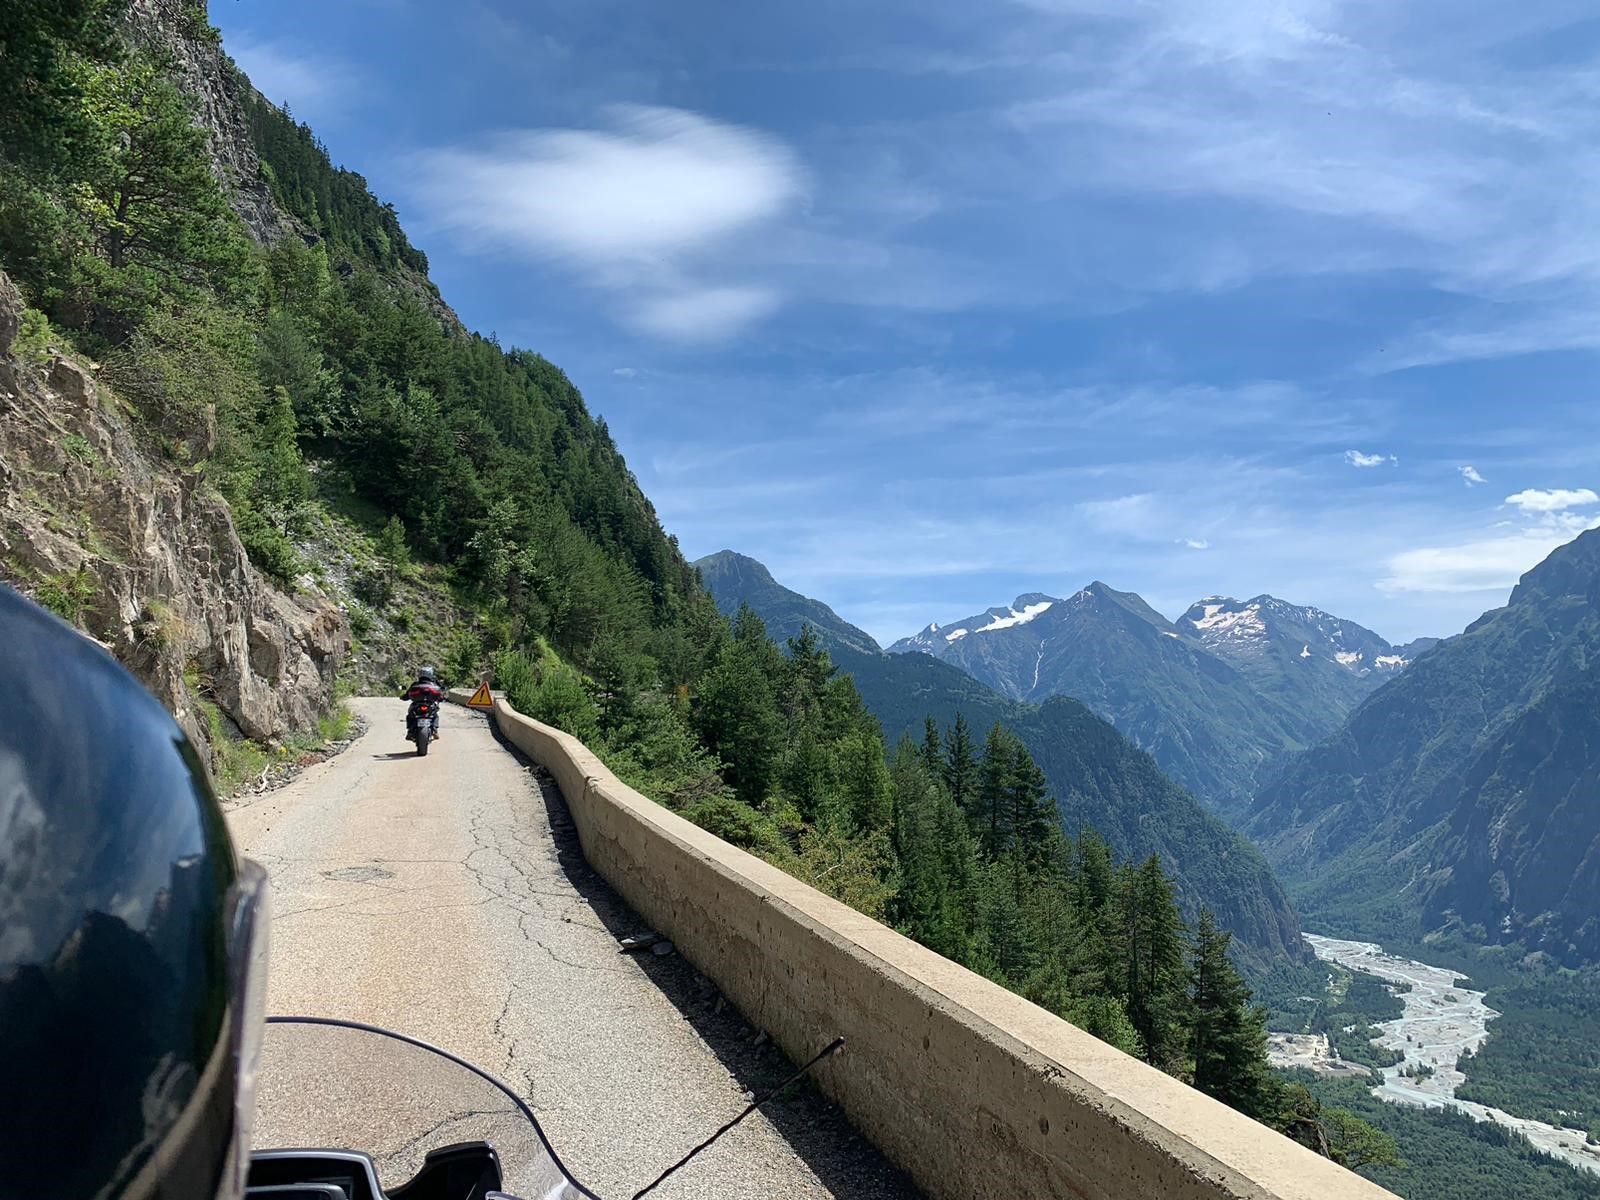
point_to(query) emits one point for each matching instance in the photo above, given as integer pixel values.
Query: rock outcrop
(179, 29)
(143, 556)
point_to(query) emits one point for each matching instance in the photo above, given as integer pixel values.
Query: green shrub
(361, 621)
(549, 691)
(516, 675)
(391, 546)
(67, 594)
(77, 447)
(33, 341)
(374, 586)
(735, 822)
(465, 663)
(267, 545)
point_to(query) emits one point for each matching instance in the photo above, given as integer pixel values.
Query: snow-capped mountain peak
(1246, 631)
(936, 638)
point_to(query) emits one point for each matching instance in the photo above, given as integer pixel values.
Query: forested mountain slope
(734, 578)
(1099, 778)
(272, 332)
(1462, 793)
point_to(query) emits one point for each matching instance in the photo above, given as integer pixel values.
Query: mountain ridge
(1218, 697)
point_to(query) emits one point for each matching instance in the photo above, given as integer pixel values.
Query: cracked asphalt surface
(445, 897)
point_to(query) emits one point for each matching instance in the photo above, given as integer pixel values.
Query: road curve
(445, 897)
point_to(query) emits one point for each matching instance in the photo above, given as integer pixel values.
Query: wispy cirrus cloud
(1486, 564)
(310, 82)
(1356, 144)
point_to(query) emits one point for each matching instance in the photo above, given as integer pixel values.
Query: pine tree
(47, 44)
(932, 748)
(1009, 953)
(988, 808)
(738, 714)
(1092, 891)
(934, 851)
(960, 764)
(150, 199)
(281, 482)
(1228, 1035)
(1030, 814)
(1152, 934)
(864, 781)
(391, 544)
(810, 670)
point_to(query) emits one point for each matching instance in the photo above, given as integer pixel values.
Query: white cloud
(1552, 500)
(625, 372)
(1496, 560)
(1469, 474)
(706, 315)
(1195, 543)
(652, 209)
(662, 182)
(1483, 565)
(285, 74)
(1357, 459)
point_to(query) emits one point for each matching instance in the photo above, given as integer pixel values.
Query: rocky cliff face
(180, 31)
(144, 556)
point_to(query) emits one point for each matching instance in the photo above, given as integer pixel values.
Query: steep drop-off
(1462, 793)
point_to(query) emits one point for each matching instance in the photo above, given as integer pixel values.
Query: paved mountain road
(445, 897)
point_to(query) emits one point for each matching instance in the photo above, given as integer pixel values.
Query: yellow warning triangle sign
(481, 698)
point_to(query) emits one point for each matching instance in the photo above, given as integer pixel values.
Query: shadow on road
(849, 1166)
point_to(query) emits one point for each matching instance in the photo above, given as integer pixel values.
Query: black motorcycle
(422, 723)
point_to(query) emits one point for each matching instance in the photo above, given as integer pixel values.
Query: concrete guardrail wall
(972, 1090)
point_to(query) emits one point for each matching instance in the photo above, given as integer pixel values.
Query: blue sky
(929, 304)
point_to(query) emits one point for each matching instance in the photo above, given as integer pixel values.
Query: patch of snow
(1013, 617)
(954, 634)
(1347, 658)
(1305, 651)
(1391, 660)
(1168, 633)
(1244, 623)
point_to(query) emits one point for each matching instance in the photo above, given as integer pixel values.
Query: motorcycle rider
(426, 687)
(132, 938)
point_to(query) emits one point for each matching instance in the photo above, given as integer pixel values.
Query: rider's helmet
(429, 674)
(132, 939)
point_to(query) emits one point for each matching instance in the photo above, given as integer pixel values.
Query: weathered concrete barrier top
(971, 1089)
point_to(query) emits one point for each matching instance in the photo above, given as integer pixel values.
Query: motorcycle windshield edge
(345, 1086)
